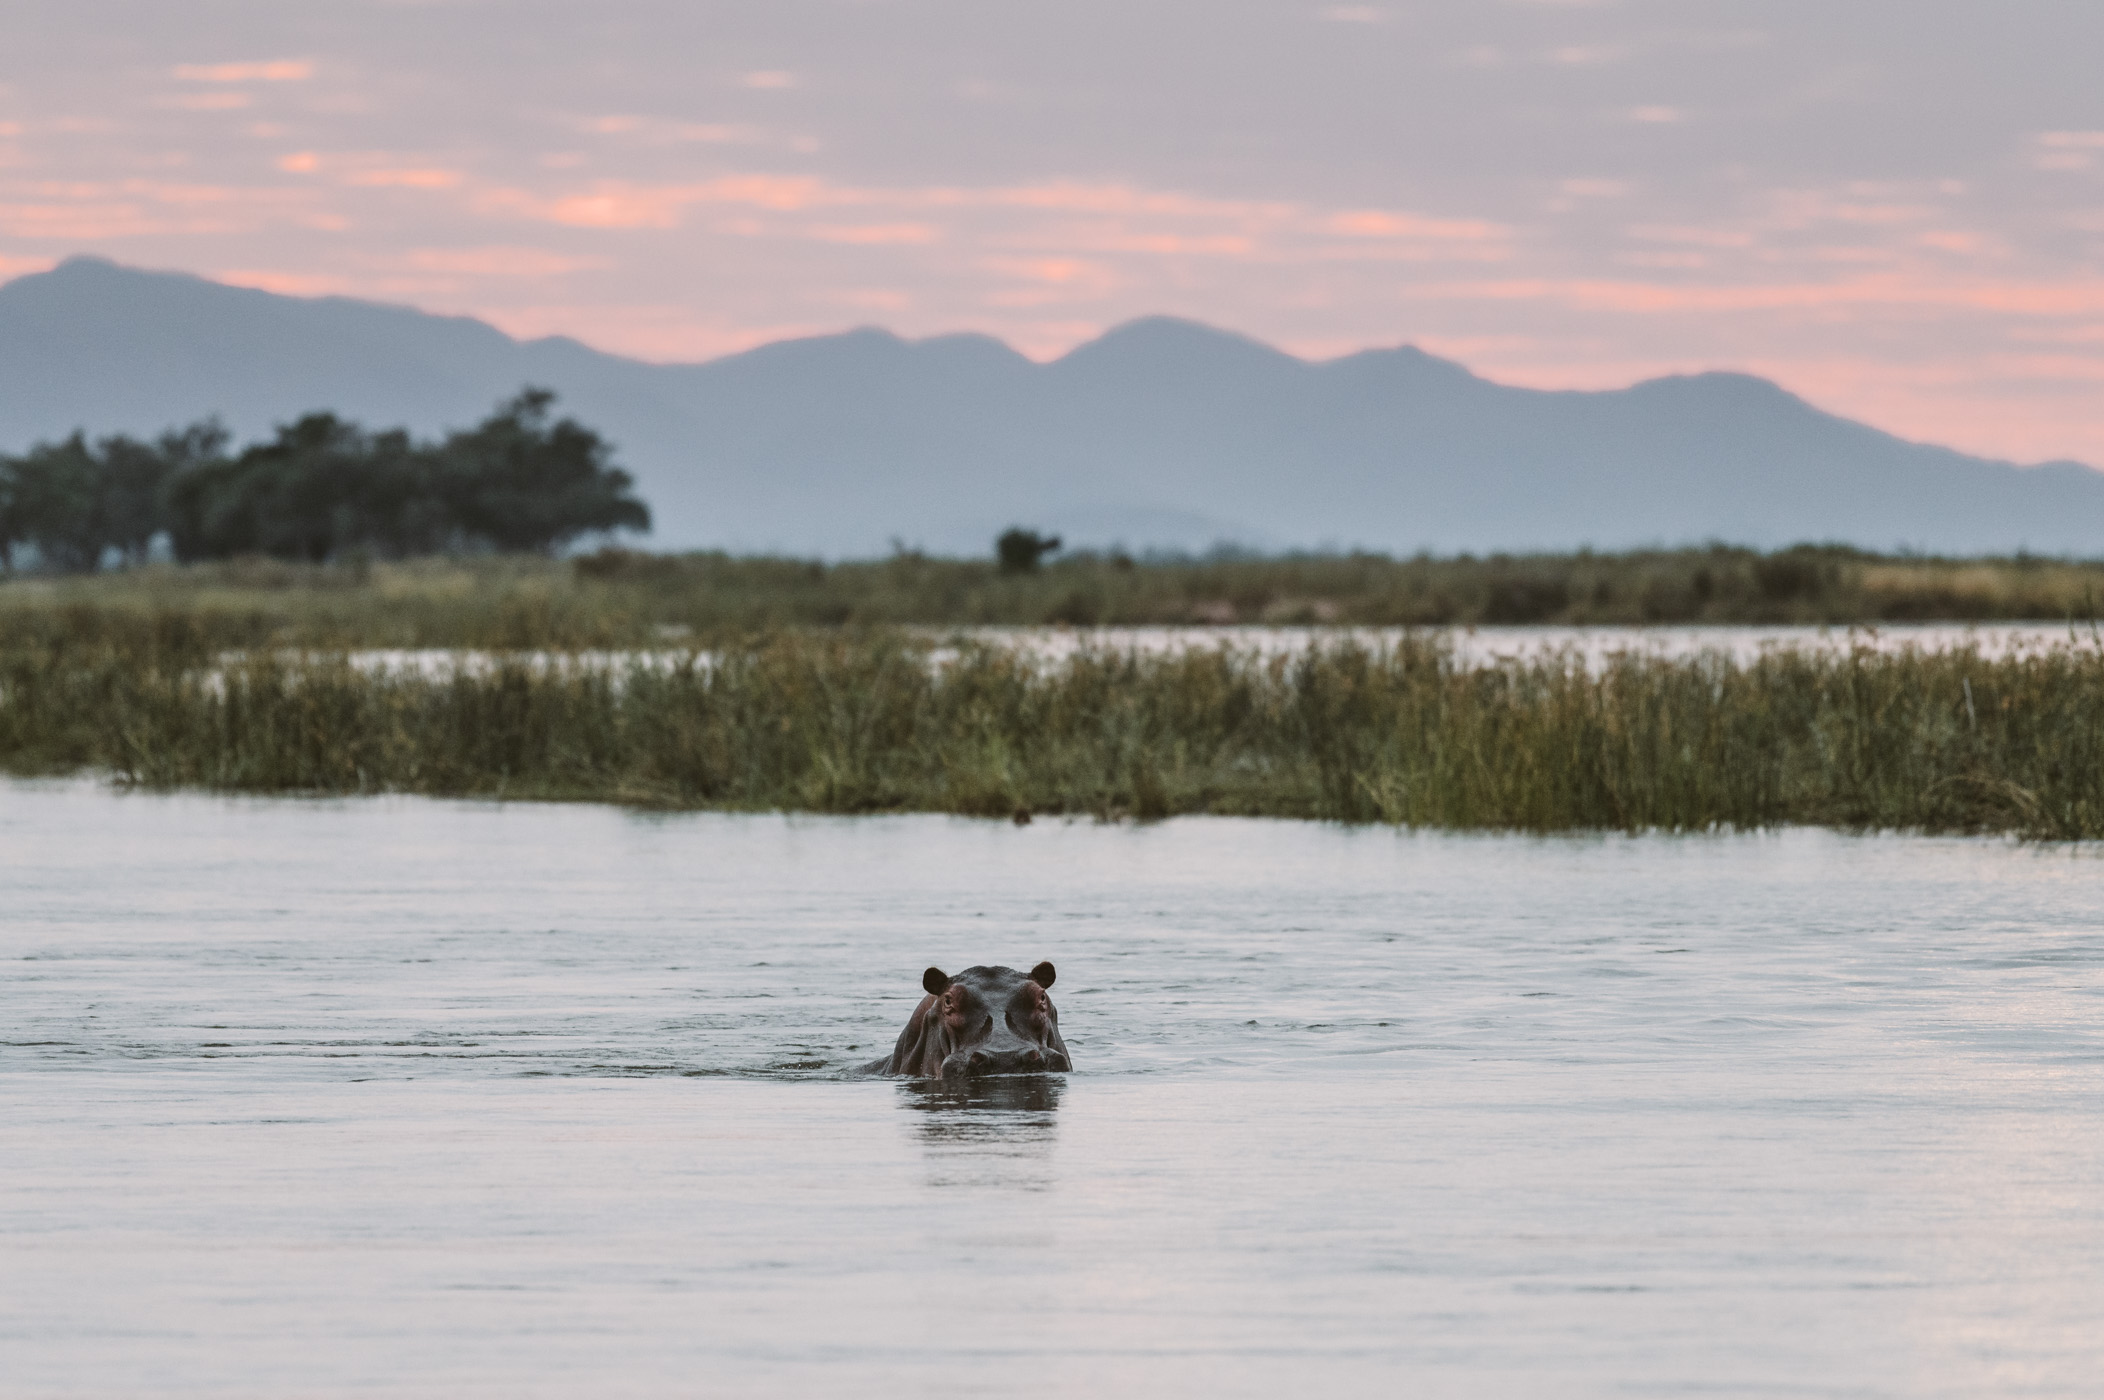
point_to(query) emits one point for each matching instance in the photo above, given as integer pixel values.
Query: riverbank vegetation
(617, 598)
(873, 722)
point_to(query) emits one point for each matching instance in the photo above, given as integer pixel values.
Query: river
(395, 1097)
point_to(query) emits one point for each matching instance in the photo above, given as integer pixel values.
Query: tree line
(322, 488)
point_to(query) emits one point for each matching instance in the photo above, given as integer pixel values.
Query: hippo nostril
(1034, 1057)
(978, 1063)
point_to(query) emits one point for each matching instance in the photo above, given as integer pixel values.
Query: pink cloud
(209, 101)
(1378, 223)
(501, 262)
(291, 284)
(779, 192)
(413, 179)
(2070, 298)
(84, 222)
(1060, 271)
(283, 70)
(78, 211)
(1123, 219)
(612, 204)
(1701, 237)
(871, 235)
(1118, 240)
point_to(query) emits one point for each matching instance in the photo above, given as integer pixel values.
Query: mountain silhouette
(1162, 433)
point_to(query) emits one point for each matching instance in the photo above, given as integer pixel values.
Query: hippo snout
(980, 1062)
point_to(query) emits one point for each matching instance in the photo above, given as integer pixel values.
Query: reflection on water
(1001, 1108)
(997, 1131)
(999, 1100)
(406, 1098)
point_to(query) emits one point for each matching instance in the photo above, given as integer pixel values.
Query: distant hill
(1161, 433)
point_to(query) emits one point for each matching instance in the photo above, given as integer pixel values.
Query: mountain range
(1162, 433)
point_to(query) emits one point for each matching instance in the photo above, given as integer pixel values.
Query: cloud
(2068, 150)
(1589, 55)
(1041, 269)
(501, 261)
(1700, 237)
(283, 70)
(74, 222)
(208, 101)
(1058, 219)
(412, 179)
(88, 211)
(770, 79)
(1376, 223)
(1655, 116)
(1685, 260)
(617, 204)
(2073, 297)
(289, 284)
(875, 234)
(1797, 210)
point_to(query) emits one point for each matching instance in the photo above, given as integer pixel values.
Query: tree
(135, 480)
(320, 488)
(75, 501)
(10, 524)
(55, 498)
(1020, 551)
(288, 498)
(525, 484)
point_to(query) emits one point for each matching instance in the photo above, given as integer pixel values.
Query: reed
(1947, 741)
(628, 599)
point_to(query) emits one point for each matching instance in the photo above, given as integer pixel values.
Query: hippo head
(985, 1020)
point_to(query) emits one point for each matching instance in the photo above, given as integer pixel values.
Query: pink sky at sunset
(1897, 212)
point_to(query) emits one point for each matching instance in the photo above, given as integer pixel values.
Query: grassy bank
(858, 723)
(624, 599)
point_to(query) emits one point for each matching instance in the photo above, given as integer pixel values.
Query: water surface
(401, 1097)
(1471, 646)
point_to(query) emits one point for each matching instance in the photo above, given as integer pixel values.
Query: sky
(1892, 207)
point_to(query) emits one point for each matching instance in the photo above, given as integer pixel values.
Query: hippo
(985, 1020)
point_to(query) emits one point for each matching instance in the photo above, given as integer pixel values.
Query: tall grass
(859, 723)
(627, 599)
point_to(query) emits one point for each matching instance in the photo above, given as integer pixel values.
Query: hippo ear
(1043, 974)
(936, 981)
